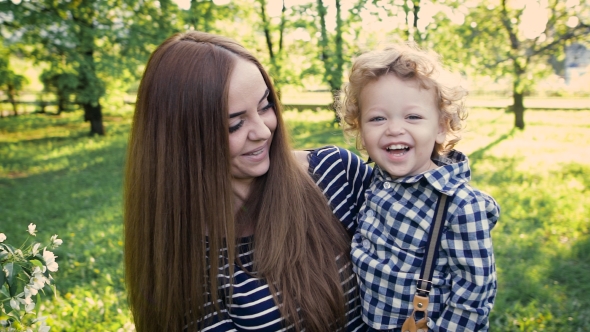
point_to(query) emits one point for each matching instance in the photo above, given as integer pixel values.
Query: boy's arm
(468, 245)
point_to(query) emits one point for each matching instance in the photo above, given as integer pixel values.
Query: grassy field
(54, 175)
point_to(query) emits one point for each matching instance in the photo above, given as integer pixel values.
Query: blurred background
(69, 72)
(66, 55)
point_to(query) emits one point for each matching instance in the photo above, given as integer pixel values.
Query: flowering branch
(24, 272)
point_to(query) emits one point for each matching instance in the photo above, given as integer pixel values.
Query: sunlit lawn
(54, 175)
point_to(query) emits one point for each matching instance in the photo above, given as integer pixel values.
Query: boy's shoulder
(467, 194)
(472, 204)
(453, 178)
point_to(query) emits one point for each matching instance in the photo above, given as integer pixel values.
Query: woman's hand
(302, 159)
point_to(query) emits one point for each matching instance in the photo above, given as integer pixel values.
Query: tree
(84, 42)
(513, 38)
(331, 48)
(274, 52)
(61, 82)
(10, 82)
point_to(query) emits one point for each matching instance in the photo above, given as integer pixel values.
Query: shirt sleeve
(343, 177)
(218, 322)
(468, 244)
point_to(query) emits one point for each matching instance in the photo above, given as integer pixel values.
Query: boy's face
(400, 125)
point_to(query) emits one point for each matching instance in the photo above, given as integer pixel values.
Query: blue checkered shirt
(388, 248)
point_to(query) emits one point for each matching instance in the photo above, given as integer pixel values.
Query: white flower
(30, 290)
(35, 249)
(32, 228)
(2, 237)
(14, 304)
(38, 279)
(29, 307)
(49, 258)
(55, 242)
(25, 301)
(42, 327)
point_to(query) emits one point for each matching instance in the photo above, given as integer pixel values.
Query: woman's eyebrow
(233, 115)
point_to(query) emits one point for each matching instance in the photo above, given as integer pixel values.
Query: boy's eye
(414, 117)
(376, 119)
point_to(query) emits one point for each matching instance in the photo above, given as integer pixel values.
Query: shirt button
(387, 185)
(370, 213)
(366, 244)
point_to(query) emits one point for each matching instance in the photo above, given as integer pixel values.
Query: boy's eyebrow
(233, 115)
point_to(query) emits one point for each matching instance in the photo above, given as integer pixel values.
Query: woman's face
(252, 122)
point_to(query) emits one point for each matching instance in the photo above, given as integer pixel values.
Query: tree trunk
(12, 98)
(266, 28)
(93, 114)
(416, 34)
(518, 109)
(61, 104)
(336, 83)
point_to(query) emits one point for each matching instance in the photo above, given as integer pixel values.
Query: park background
(69, 71)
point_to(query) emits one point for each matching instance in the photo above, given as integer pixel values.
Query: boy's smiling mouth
(397, 149)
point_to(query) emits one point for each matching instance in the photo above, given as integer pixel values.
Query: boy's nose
(395, 128)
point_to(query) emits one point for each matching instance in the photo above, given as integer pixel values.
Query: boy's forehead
(420, 84)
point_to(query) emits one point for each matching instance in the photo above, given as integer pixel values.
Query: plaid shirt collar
(453, 171)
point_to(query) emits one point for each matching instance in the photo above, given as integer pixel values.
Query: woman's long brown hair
(178, 201)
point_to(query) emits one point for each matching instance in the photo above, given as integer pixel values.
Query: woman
(210, 173)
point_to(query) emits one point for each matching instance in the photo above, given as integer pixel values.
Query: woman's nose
(259, 130)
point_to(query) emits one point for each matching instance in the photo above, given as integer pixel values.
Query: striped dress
(343, 177)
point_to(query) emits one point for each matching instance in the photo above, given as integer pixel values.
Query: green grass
(54, 175)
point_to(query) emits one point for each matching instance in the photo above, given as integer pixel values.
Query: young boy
(408, 121)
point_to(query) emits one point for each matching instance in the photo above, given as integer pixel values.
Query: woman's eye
(236, 126)
(267, 107)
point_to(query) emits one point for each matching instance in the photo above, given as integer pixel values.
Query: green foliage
(11, 83)
(541, 270)
(53, 175)
(514, 39)
(86, 43)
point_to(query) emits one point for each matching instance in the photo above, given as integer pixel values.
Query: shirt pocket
(407, 232)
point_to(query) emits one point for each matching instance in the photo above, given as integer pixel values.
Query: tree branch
(514, 43)
(582, 29)
(266, 29)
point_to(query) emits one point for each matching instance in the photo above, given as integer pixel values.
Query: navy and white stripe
(388, 248)
(343, 177)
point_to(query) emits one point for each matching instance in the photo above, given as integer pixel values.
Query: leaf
(13, 271)
(8, 247)
(2, 276)
(36, 262)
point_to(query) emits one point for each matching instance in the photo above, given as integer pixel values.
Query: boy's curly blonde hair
(407, 62)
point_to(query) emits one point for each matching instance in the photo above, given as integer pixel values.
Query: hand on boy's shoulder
(302, 159)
